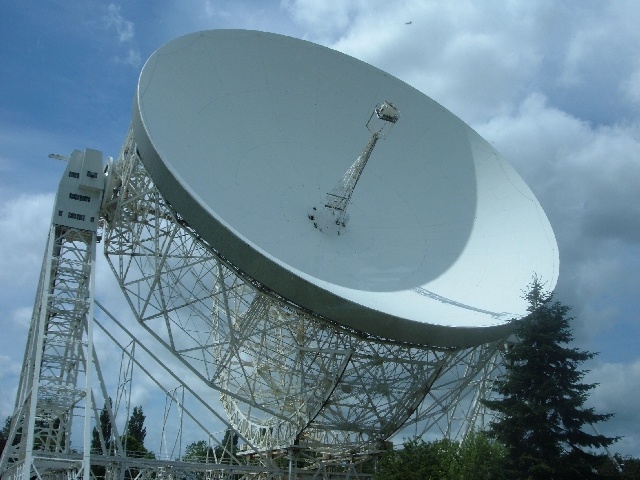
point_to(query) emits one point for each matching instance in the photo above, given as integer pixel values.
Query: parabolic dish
(243, 132)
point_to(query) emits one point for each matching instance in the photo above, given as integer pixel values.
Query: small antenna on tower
(57, 156)
(332, 215)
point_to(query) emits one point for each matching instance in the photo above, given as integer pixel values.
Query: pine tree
(99, 471)
(228, 448)
(4, 433)
(135, 435)
(540, 408)
(136, 426)
(105, 427)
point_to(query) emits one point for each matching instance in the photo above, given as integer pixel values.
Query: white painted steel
(243, 132)
(285, 377)
(56, 378)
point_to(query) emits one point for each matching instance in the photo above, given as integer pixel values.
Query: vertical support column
(57, 366)
(88, 408)
(33, 360)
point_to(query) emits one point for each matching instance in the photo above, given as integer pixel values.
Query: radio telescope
(332, 251)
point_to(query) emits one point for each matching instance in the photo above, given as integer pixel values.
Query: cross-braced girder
(285, 376)
(295, 387)
(53, 379)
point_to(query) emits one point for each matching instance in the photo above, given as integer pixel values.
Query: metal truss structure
(332, 214)
(304, 396)
(55, 379)
(286, 377)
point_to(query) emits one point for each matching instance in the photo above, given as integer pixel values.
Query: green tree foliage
(200, 452)
(98, 471)
(620, 468)
(540, 408)
(476, 458)
(136, 449)
(479, 458)
(4, 433)
(135, 434)
(135, 427)
(228, 448)
(630, 467)
(105, 427)
(418, 460)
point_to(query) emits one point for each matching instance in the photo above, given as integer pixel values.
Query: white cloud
(601, 36)
(114, 19)
(471, 59)
(21, 317)
(9, 374)
(132, 58)
(125, 31)
(577, 169)
(24, 222)
(324, 18)
(181, 17)
(480, 59)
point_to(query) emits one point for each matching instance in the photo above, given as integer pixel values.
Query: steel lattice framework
(333, 213)
(285, 376)
(295, 387)
(54, 381)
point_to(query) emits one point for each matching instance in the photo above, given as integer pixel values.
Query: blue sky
(553, 85)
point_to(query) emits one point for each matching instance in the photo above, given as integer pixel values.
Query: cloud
(114, 19)
(9, 374)
(24, 222)
(214, 10)
(617, 392)
(630, 86)
(471, 59)
(180, 17)
(125, 31)
(132, 58)
(586, 179)
(479, 61)
(324, 18)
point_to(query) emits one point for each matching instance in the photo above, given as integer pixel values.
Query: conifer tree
(135, 434)
(228, 448)
(541, 414)
(105, 427)
(136, 427)
(4, 433)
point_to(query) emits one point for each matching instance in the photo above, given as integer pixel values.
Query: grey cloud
(586, 179)
(624, 380)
